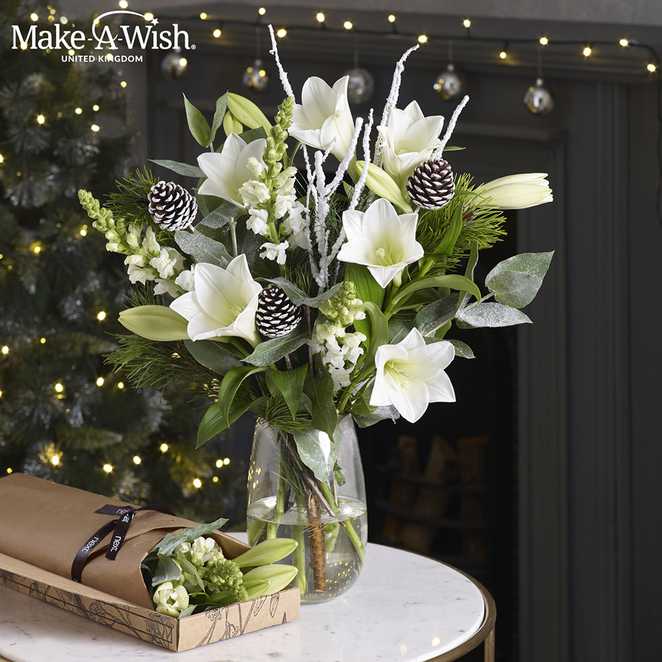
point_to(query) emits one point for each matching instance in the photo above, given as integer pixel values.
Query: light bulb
(137, 460)
(120, 386)
(148, 16)
(261, 11)
(586, 51)
(78, 110)
(320, 17)
(2, 159)
(36, 247)
(100, 381)
(58, 387)
(543, 41)
(204, 15)
(651, 67)
(42, 340)
(422, 39)
(281, 33)
(197, 483)
(101, 315)
(55, 459)
(623, 42)
(64, 20)
(123, 4)
(164, 447)
(348, 25)
(217, 33)
(4, 350)
(95, 127)
(466, 23)
(391, 18)
(83, 231)
(503, 55)
(1, 392)
(9, 470)
(123, 84)
(214, 479)
(219, 463)
(107, 468)
(40, 119)
(226, 461)
(34, 17)
(96, 108)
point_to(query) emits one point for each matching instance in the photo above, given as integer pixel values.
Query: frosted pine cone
(432, 184)
(276, 315)
(171, 206)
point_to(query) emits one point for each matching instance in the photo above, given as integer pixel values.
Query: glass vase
(325, 512)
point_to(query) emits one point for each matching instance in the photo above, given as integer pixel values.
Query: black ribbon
(119, 528)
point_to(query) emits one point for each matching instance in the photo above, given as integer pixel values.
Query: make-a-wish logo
(104, 37)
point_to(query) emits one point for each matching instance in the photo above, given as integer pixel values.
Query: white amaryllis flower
(381, 239)
(323, 117)
(410, 375)
(409, 140)
(517, 191)
(222, 302)
(228, 170)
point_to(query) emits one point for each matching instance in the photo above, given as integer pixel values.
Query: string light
(95, 128)
(64, 20)
(204, 15)
(422, 39)
(544, 40)
(466, 23)
(34, 17)
(4, 350)
(2, 159)
(123, 4)
(320, 17)
(623, 42)
(42, 340)
(123, 84)
(78, 110)
(391, 18)
(587, 50)
(348, 25)
(214, 479)
(71, 51)
(164, 447)
(36, 248)
(40, 119)
(183, 62)
(261, 11)
(107, 468)
(96, 108)
(100, 382)
(56, 459)
(137, 460)
(503, 54)
(281, 33)
(58, 387)
(651, 67)
(101, 315)
(226, 461)
(83, 231)
(9, 470)
(197, 483)
(219, 463)
(1, 393)
(148, 16)
(120, 386)
(217, 33)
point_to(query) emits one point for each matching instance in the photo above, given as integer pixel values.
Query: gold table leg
(489, 647)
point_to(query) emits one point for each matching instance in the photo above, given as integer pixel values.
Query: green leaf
(220, 216)
(317, 452)
(447, 244)
(230, 125)
(166, 571)
(154, 323)
(384, 186)
(516, 281)
(202, 248)
(250, 135)
(183, 169)
(173, 540)
(378, 329)
(212, 355)
(299, 297)
(463, 350)
(451, 281)
(270, 351)
(367, 289)
(219, 113)
(247, 112)
(366, 416)
(436, 314)
(289, 383)
(453, 148)
(266, 552)
(197, 124)
(490, 314)
(268, 579)
(319, 388)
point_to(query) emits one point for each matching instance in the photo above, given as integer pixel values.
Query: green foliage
(128, 199)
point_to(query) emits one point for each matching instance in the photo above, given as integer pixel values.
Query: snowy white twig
(450, 127)
(284, 80)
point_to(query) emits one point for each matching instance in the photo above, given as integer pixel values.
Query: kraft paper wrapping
(45, 524)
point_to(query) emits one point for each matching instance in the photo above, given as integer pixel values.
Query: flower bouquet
(313, 275)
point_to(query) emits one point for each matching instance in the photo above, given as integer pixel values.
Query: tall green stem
(279, 507)
(347, 524)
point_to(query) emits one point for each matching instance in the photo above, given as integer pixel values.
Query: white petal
(186, 306)
(441, 389)
(203, 327)
(352, 222)
(384, 275)
(411, 401)
(318, 101)
(214, 291)
(413, 340)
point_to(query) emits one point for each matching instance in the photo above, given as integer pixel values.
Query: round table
(403, 607)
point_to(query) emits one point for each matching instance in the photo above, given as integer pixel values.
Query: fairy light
(96, 108)
(9, 470)
(587, 50)
(214, 479)
(183, 62)
(261, 11)
(71, 51)
(34, 17)
(40, 119)
(107, 468)
(204, 15)
(466, 23)
(58, 387)
(56, 459)
(226, 461)
(197, 483)
(36, 248)
(219, 463)
(503, 55)
(95, 128)
(217, 33)
(148, 16)
(64, 20)
(123, 4)
(137, 460)
(82, 232)
(101, 315)
(100, 381)
(78, 110)
(623, 42)
(281, 33)
(651, 67)
(123, 84)
(544, 40)
(320, 17)
(422, 39)
(4, 350)
(348, 25)
(391, 18)
(42, 340)
(164, 447)
(1, 393)
(2, 159)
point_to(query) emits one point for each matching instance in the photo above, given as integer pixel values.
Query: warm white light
(148, 16)
(36, 247)
(100, 381)
(4, 350)
(164, 447)
(281, 33)
(101, 315)
(42, 340)
(34, 17)
(219, 463)
(64, 20)
(320, 17)
(41, 119)
(543, 41)
(651, 67)
(624, 42)
(261, 11)
(123, 84)
(137, 460)
(197, 483)
(183, 62)
(58, 387)
(422, 39)
(78, 110)
(123, 4)
(9, 470)
(96, 108)
(503, 55)
(226, 461)
(586, 51)
(391, 18)
(55, 459)
(466, 23)
(2, 159)
(348, 25)
(95, 127)
(120, 386)
(217, 33)
(214, 479)
(1, 393)
(83, 231)
(107, 468)
(204, 15)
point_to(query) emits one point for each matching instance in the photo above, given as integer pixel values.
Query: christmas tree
(64, 413)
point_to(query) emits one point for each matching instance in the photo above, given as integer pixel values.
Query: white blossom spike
(284, 80)
(450, 127)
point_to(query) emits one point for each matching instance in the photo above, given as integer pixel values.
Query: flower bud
(266, 552)
(154, 323)
(246, 112)
(384, 186)
(516, 191)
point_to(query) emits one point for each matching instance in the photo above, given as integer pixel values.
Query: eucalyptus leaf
(173, 540)
(436, 314)
(373, 415)
(202, 248)
(197, 124)
(299, 297)
(516, 281)
(166, 571)
(183, 169)
(270, 351)
(472, 261)
(289, 383)
(317, 452)
(219, 113)
(212, 355)
(463, 350)
(490, 314)
(220, 216)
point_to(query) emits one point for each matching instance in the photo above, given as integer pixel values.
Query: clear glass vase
(328, 518)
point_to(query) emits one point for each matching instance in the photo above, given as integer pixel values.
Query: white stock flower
(223, 302)
(137, 270)
(323, 117)
(166, 286)
(257, 221)
(517, 191)
(409, 140)
(202, 550)
(380, 239)
(185, 279)
(228, 170)
(170, 600)
(410, 375)
(253, 193)
(277, 252)
(168, 262)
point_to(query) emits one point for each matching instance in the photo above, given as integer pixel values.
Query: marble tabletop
(403, 607)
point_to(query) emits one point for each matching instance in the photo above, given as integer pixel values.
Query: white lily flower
(409, 140)
(381, 239)
(277, 252)
(323, 117)
(517, 191)
(410, 375)
(223, 302)
(228, 170)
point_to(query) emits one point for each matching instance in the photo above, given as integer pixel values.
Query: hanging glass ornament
(449, 83)
(360, 86)
(538, 99)
(174, 65)
(256, 76)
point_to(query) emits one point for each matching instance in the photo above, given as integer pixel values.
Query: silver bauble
(174, 65)
(449, 83)
(538, 99)
(360, 86)
(256, 76)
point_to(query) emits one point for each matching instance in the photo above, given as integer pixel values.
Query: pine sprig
(129, 201)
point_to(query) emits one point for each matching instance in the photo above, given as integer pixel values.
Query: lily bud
(384, 186)
(517, 191)
(268, 579)
(266, 552)
(154, 323)
(246, 112)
